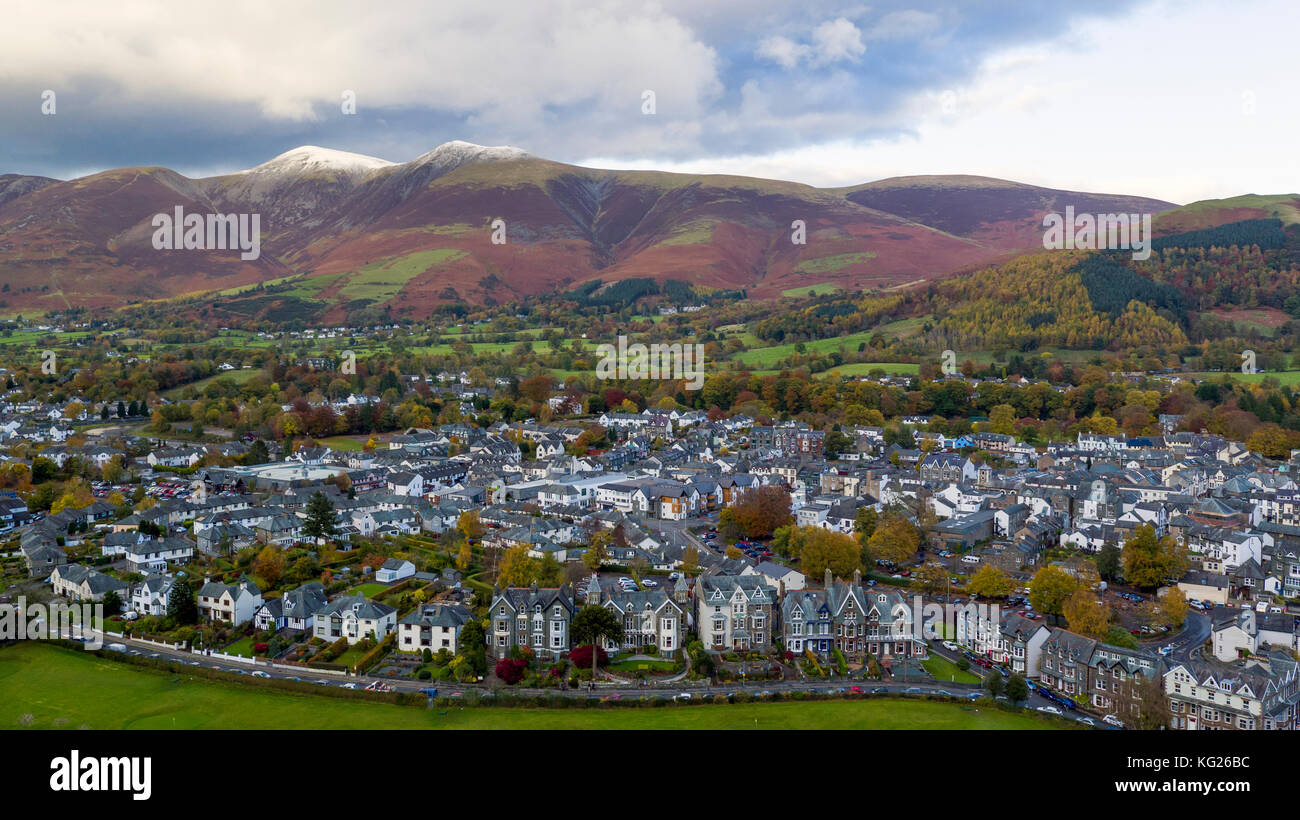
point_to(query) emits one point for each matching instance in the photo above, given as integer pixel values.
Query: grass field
(945, 671)
(383, 280)
(237, 376)
(825, 264)
(1286, 377)
(819, 289)
(347, 443)
(68, 688)
(368, 590)
(863, 368)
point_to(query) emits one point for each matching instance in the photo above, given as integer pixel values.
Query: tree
(761, 510)
(690, 559)
(1173, 607)
(182, 608)
(895, 539)
(1143, 704)
(518, 569)
(1050, 588)
(594, 625)
(464, 556)
(112, 603)
(932, 578)
(321, 520)
(1017, 690)
(864, 523)
(597, 549)
(269, 565)
(991, 582)
(728, 527)
(1108, 562)
(994, 684)
(823, 548)
(1086, 615)
(472, 645)
(470, 525)
(1148, 560)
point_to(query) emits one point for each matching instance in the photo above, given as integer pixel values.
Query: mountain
(356, 232)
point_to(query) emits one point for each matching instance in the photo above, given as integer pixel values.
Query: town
(667, 551)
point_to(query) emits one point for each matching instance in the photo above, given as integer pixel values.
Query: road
(1196, 631)
(602, 690)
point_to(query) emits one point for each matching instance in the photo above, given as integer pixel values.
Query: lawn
(242, 647)
(945, 671)
(1285, 377)
(643, 666)
(343, 443)
(79, 689)
(369, 590)
(819, 289)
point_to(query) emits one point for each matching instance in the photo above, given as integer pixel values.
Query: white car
(650, 582)
(1111, 720)
(259, 674)
(951, 647)
(1167, 650)
(683, 696)
(1051, 710)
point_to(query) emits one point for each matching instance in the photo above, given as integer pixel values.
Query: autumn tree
(470, 525)
(1050, 588)
(517, 568)
(597, 549)
(932, 578)
(1086, 615)
(991, 582)
(1148, 560)
(269, 565)
(761, 510)
(895, 539)
(1173, 607)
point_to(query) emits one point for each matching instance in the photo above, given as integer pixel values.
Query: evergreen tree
(321, 520)
(182, 607)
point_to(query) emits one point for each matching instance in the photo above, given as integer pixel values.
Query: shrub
(511, 670)
(259, 648)
(581, 657)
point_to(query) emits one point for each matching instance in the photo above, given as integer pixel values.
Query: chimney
(857, 576)
(829, 578)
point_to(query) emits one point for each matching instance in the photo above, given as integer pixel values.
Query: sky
(1175, 100)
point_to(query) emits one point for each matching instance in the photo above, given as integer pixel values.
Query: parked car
(1111, 720)
(1051, 710)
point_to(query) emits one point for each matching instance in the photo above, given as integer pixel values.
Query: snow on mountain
(456, 153)
(311, 159)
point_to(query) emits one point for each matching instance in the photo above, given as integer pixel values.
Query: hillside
(362, 233)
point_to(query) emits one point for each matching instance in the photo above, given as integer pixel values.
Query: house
(735, 612)
(354, 618)
(535, 617)
(434, 627)
(780, 576)
(78, 583)
(1251, 699)
(294, 611)
(152, 595)
(394, 569)
(650, 618)
(947, 468)
(1240, 633)
(233, 603)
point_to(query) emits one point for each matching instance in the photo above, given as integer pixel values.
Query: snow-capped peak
(309, 159)
(457, 152)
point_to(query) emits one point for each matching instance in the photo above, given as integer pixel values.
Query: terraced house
(650, 618)
(1263, 697)
(433, 627)
(735, 612)
(535, 617)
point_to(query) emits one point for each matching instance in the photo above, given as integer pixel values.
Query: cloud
(782, 50)
(837, 40)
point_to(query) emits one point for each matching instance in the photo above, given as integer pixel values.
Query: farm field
(67, 688)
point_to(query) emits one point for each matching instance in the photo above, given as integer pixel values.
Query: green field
(863, 368)
(347, 443)
(237, 376)
(945, 671)
(383, 280)
(68, 688)
(819, 289)
(1285, 377)
(368, 590)
(825, 264)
